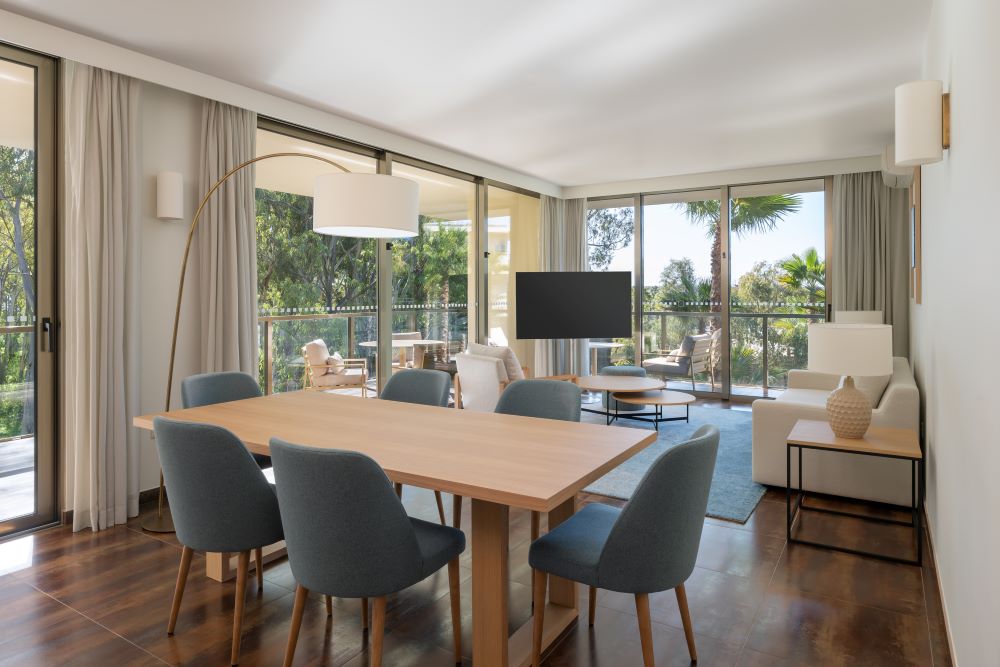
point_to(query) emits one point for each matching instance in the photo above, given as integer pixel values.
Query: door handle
(48, 338)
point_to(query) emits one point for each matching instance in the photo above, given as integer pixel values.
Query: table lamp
(850, 350)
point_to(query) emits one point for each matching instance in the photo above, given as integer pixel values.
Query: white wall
(171, 137)
(956, 331)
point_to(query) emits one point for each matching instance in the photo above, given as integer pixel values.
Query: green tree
(806, 273)
(747, 215)
(608, 230)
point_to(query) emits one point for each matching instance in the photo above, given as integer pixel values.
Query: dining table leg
(490, 578)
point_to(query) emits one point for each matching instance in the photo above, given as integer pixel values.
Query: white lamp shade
(365, 205)
(857, 316)
(858, 350)
(919, 138)
(169, 195)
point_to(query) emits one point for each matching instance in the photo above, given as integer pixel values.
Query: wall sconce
(170, 195)
(923, 123)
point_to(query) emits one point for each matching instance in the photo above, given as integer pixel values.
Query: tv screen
(572, 304)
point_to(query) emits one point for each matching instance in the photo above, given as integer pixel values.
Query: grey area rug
(734, 494)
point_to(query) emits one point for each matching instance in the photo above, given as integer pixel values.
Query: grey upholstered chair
(650, 545)
(630, 371)
(212, 388)
(545, 399)
(220, 501)
(423, 387)
(348, 536)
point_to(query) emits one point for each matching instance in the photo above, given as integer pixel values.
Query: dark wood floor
(103, 599)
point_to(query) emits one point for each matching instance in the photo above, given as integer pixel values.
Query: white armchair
(479, 381)
(882, 480)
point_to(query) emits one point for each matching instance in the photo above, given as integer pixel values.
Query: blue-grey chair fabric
(418, 385)
(630, 371)
(219, 498)
(547, 399)
(346, 531)
(649, 545)
(212, 388)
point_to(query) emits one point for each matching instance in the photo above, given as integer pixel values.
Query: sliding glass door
(28, 343)
(682, 287)
(611, 246)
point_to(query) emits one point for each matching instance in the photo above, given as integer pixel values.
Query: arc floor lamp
(344, 204)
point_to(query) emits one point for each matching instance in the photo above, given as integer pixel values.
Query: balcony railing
(284, 332)
(764, 345)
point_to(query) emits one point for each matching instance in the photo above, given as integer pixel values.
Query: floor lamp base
(159, 522)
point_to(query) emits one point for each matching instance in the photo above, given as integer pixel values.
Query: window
(611, 247)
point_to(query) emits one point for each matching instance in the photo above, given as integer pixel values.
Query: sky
(669, 235)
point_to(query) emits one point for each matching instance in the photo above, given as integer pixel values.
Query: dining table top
(526, 462)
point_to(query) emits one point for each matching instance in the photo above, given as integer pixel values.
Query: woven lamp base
(849, 411)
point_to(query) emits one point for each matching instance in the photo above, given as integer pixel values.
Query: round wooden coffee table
(657, 398)
(615, 383)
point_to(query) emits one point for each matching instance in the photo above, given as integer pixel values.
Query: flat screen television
(574, 304)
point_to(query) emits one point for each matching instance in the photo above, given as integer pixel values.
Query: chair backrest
(346, 531)
(211, 388)
(701, 352)
(219, 498)
(654, 543)
(481, 380)
(547, 399)
(408, 335)
(418, 385)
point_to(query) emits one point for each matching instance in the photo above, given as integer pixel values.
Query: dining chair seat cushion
(572, 549)
(438, 544)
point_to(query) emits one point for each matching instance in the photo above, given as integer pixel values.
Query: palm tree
(747, 215)
(806, 272)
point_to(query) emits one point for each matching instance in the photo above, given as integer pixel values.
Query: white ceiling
(571, 91)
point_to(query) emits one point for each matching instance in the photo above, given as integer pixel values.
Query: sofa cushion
(316, 352)
(872, 386)
(812, 397)
(336, 363)
(505, 354)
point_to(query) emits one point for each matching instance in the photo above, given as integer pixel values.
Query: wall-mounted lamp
(923, 123)
(170, 195)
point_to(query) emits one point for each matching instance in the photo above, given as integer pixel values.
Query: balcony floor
(17, 478)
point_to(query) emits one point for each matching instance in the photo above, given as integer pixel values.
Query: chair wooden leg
(364, 614)
(301, 594)
(456, 511)
(536, 525)
(593, 604)
(399, 491)
(241, 593)
(539, 582)
(378, 630)
(182, 575)
(645, 628)
(455, 593)
(682, 604)
(329, 605)
(258, 559)
(440, 504)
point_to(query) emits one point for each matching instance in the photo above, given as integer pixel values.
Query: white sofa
(883, 480)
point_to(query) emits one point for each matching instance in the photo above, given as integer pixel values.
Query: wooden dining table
(498, 461)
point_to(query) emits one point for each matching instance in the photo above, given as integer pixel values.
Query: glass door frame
(48, 436)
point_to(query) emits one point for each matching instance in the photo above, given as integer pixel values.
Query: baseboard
(937, 580)
(66, 518)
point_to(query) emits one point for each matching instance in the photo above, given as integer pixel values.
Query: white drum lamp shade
(859, 350)
(169, 195)
(919, 127)
(365, 205)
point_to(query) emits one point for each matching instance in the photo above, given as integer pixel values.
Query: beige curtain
(100, 193)
(871, 244)
(227, 242)
(562, 247)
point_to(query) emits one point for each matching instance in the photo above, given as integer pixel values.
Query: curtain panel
(227, 242)
(871, 245)
(562, 247)
(100, 194)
